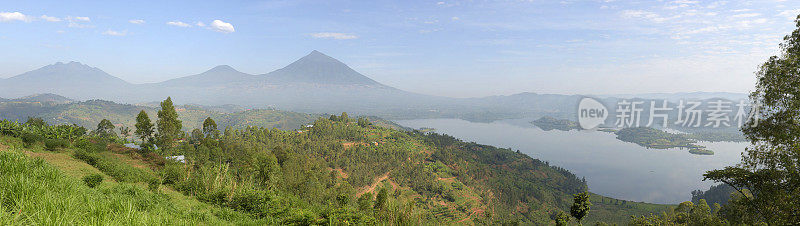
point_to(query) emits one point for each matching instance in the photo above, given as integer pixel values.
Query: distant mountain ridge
(315, 83)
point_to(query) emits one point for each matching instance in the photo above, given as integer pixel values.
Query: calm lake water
(611, 167)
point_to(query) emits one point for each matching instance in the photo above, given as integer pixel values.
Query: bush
(29, 139)
(53, 144)
(249, 200)
(93, 180)
(173, 173)
(89, 158)
(91, 145)
(153, 184)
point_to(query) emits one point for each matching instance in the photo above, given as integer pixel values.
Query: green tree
(365, 201)
(210, 128)
(197, 134)
(770, 167)
(169, 127)
(36, 121)
(125, 132)
(144, 128)
(562, 218)
(580, 206)
(381, 199)
(344, 117)
(105, 129)
(363, 122)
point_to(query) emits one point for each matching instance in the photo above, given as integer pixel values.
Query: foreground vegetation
(33, 192)
(339, 171)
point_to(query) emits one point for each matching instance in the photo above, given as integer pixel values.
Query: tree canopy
(144, 128)
(169, 127)
(770, 167)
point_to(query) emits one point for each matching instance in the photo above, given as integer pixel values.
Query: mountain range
(315, 83)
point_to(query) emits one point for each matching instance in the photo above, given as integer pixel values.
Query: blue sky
(448, 48)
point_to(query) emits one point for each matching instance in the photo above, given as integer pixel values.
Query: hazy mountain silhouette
(315, 83)
(318, 68)
(73, 79)
(217, 76)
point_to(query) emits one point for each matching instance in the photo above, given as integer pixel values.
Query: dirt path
(374, 185)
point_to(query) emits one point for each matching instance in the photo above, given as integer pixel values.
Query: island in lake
(654, 138)
(548, 123)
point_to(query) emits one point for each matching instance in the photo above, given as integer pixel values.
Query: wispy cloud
(641, 14)
(745, 15)
(15, 16)
(220, 26)
(334, 35)
(115, 33)
(136, 21)
(79, 18)
(79, 21)
(178, 24)
(50, 18)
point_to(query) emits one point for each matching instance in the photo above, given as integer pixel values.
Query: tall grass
(34, 193)
(117, 170)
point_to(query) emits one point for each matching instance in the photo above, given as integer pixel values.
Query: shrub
(93, 180)
(89, 158)
(173, 173)
(53, 144)
(29, 139)
(153, 184)
(249, 200)
(91, 145)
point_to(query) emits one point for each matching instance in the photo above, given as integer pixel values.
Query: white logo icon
(591, 113)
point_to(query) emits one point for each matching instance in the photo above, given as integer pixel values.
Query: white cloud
(6, 16)
(200, 24)
(790, 14)
(115, 33)
(714, 5)
(219, 26)
(50, 18)
(744, 15)
(334, 35)
(455, 18)
(641, 14)
(79, 21)
(137, 21)
(178, 23)
(79, 18)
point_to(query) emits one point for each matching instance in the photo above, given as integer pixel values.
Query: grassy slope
(612, 210)
(39, 187)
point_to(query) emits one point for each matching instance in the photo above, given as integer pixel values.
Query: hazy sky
(449, 48)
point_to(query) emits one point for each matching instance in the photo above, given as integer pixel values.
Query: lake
(611, 167)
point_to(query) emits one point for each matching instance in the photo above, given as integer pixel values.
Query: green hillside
(340, 171)
(89, 113)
